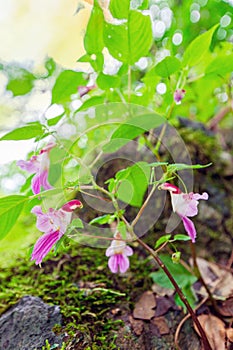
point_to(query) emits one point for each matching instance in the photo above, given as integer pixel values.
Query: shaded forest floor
(97, 306)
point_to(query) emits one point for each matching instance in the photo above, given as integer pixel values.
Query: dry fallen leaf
(164, 304)
(226, 307)
(161, 324)
(214, 329)
(137, 325)
(143, 308)
(217, 278)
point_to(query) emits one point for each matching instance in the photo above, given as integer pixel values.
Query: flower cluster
(55, 222)
(185, 205)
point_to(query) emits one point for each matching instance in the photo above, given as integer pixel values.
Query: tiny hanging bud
(179, 95)
(176, 257)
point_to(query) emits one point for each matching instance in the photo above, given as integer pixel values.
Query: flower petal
(198, 196)
(36, 184)
(169, 187)
(44, 180)
(44, 245)
(190, 228)
(113, 263)
(72, 205)
(128, 251)
(123, 263)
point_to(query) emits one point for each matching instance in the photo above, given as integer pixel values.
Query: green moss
(84, 288)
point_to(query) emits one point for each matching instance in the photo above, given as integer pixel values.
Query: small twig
(143, 207)
(219, 116)
(178, 329)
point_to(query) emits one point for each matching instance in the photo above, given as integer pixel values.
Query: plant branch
(179, 292)
(143, 206)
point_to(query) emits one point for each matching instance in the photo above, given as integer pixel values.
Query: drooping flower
(179, 95)
(38, 165)
(118, 253)
(185, 205)
(54, 224)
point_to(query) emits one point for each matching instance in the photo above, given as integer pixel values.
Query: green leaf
(101, 220)
(171, 168)
(182, 276)
(27, 132)
(119, 9)
(50, 65)
(190, 296)
(162, 240)
(91, 102)
(96, 60)
(221, 65)
(106, 82)
(111, 184)
(132, 188)
(122, 174)
(93, 40)
(10, 209)
(142, 4)
(181, 238)
(130, 41)
(20, 81)
(132, 129)
(55, 120)
(197, 49)
(167, 66)
(67, 84)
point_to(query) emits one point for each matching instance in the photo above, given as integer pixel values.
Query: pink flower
(179, 95)
(54, 224)
(118, 253)
(83, 90)
(40, 166)
(185, 205)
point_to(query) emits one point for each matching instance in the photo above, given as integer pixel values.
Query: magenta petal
(44, 180)
(113, 263)
(198, 196)
(109, 251)
(128, 251)
(72, 205)
(37, 210)
(190, 228)
(44, 245)
(36, 184)
(123, 263)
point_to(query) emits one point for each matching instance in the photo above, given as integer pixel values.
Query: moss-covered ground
(81, 284)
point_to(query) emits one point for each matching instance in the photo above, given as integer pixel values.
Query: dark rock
(28, 324)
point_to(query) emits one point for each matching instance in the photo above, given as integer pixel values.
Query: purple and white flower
(54, 224)
(185, 205)
(179, 95)
(38, 165)
(118, 253)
